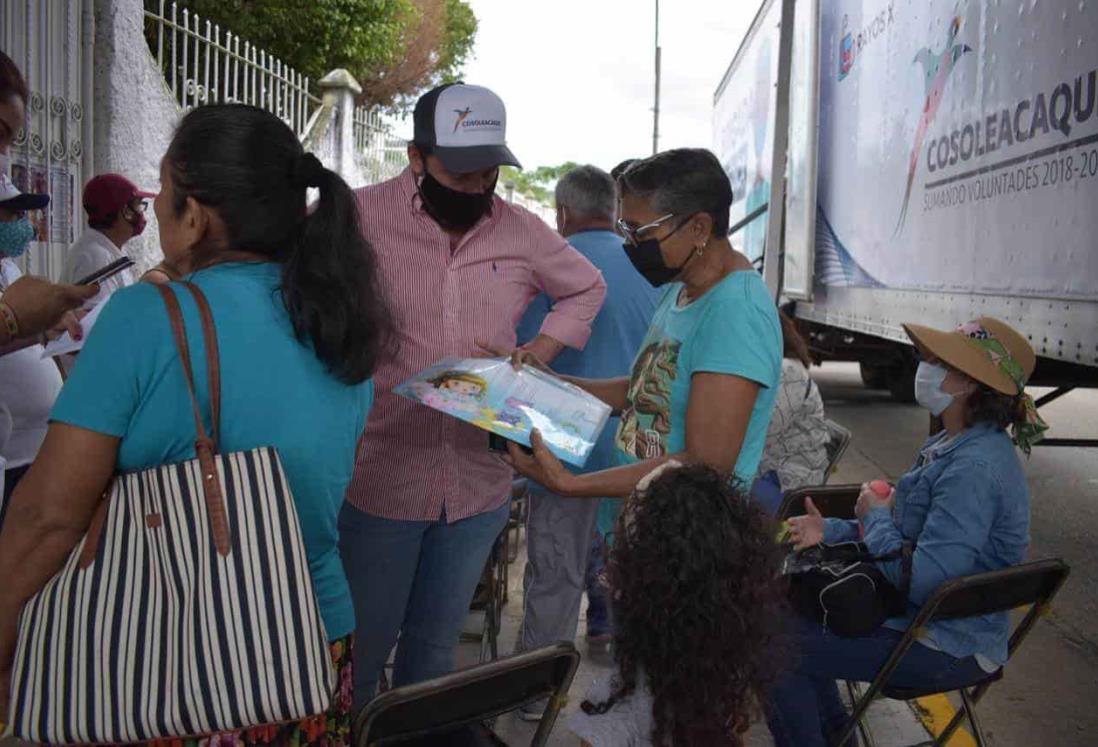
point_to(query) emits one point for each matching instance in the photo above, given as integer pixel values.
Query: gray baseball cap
(465, 126)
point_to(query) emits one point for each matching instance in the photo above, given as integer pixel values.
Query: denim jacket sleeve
(840, 530)
(963, 509)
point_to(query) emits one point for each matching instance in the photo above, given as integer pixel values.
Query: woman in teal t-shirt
(704, 381)
(300, 326)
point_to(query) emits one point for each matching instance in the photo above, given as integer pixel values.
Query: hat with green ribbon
(993, 353)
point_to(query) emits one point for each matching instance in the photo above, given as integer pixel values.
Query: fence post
(339, 89)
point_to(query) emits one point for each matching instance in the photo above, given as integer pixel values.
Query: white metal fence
(381, 155)
(49, 41)
(204, 64)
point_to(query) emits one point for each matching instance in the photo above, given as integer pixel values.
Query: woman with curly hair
(697, 605)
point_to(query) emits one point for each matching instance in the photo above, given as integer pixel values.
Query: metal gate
(48, 40)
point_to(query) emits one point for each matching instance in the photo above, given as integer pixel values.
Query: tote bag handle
(205, 446)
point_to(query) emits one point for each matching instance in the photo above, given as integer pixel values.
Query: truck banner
(958, 146)
(743, 119)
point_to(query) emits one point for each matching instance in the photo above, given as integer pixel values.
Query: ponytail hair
(986, 405)
(248, 166)
(793, 343)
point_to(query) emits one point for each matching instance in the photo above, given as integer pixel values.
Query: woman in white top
(116, 214)
(795, 454)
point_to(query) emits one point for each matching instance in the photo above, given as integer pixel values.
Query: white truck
(940, 162)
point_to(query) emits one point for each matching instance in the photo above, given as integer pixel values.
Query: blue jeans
(805, 708)
(415, 578)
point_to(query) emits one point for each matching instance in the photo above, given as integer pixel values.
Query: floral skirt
(330, 729)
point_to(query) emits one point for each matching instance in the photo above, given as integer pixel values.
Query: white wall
(135, 113)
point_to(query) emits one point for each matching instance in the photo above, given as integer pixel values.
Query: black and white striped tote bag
(187, 609)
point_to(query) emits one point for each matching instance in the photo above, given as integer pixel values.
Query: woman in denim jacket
(965, 506)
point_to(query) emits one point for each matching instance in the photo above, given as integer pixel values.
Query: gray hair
(682, 182)
(587, 191)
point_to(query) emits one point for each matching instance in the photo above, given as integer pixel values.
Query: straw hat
(987, 350)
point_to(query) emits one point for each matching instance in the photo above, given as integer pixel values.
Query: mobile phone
(109, 271)
(498, 443)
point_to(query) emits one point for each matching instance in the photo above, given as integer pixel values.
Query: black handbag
(840, 587)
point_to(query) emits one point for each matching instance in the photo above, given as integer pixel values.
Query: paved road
(1049, 693)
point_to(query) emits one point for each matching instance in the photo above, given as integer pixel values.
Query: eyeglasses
(631, 233)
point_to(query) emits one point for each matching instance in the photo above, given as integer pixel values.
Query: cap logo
(461, 115)
(464, 122)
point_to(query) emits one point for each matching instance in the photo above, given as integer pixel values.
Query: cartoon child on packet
(456, 392)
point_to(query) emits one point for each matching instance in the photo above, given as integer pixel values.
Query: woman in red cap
(116, 214)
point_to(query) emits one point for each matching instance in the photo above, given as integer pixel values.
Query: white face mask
(928, 388)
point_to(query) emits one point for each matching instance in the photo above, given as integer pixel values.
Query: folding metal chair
(520, 508)
(453, 708)
(834, 501)
(490, 597)
(1033, 584)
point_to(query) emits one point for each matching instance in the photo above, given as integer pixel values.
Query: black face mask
(453, 209)
(648, 259)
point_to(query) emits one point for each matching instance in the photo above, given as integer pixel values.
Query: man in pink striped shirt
(459, 265)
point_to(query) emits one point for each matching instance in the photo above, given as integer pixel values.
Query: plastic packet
(492, 395)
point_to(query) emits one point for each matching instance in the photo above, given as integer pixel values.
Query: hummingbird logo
(462, 114)
(846, 50)
(937, 68)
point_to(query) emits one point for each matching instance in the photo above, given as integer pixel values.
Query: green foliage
(537, 183)
(395, 48)
(460, 32)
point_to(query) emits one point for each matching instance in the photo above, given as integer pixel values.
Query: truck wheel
(873, 377)
(901, 381)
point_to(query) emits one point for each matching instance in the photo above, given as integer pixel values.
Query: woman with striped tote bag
(202, 597)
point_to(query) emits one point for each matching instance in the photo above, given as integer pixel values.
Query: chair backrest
(470, 695)
(837, 442)
(997, 591)
(833, 501)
